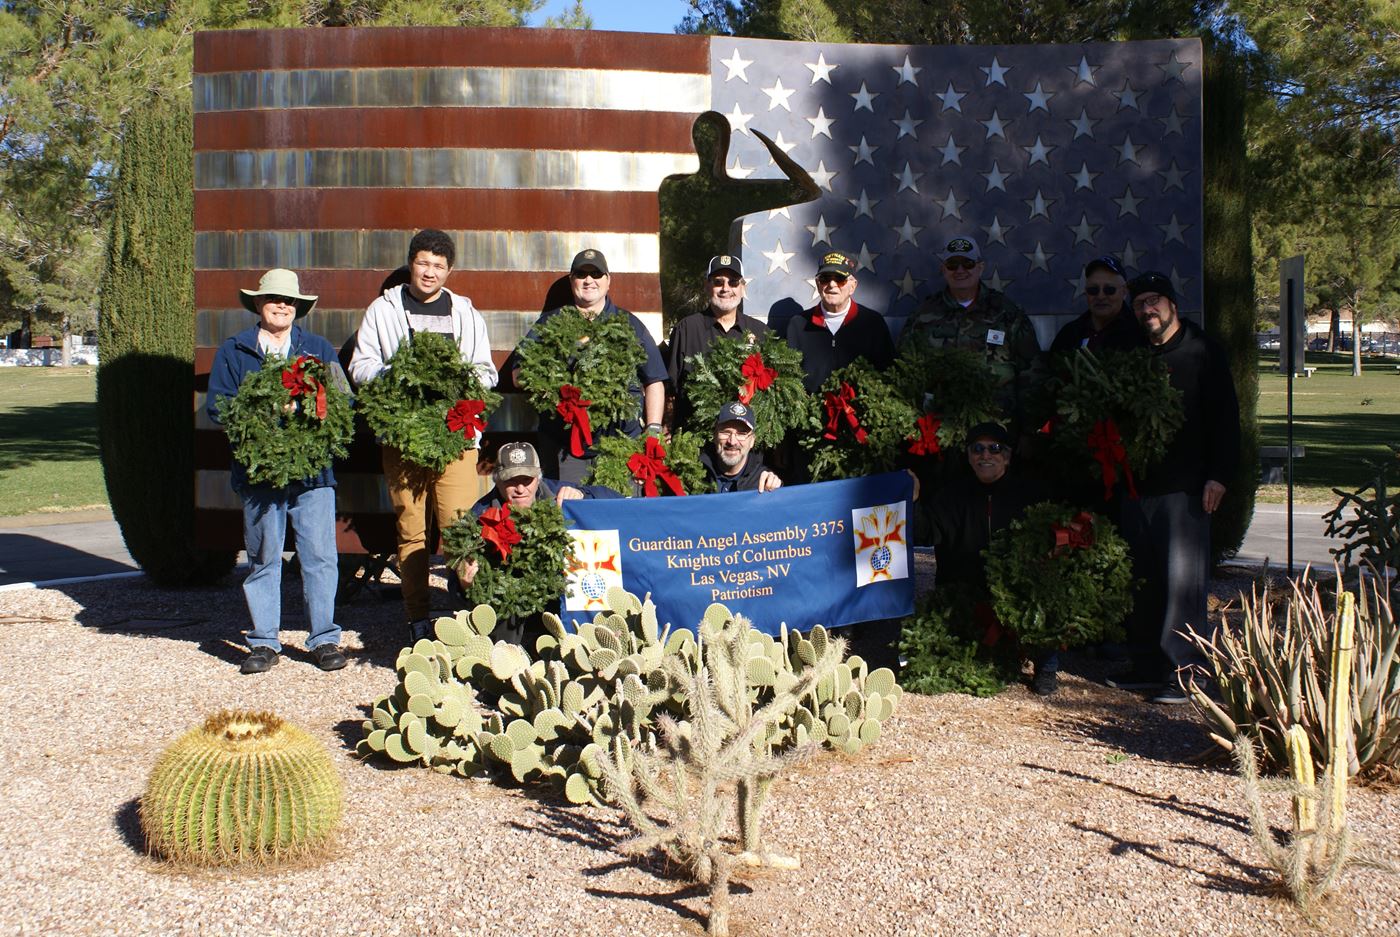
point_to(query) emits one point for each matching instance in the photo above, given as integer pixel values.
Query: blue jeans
(265, 513)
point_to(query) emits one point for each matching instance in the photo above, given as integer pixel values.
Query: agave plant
(1272, 673)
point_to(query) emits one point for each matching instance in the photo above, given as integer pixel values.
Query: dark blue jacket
(238, 357)
(549, 488)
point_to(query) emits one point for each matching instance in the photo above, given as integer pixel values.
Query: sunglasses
(838, 278)
(959, 263)
(283, 300)
(995, 448)
(726, 281)
(587, 275)
(1096, 290)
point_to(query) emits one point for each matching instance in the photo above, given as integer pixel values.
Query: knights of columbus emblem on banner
(595, 568)
(882, 552)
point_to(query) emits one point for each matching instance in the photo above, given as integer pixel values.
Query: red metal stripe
(412, 127)
(411, 209)
(427, 47)
(489, 289)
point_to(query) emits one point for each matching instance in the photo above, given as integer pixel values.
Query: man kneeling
(730, 459)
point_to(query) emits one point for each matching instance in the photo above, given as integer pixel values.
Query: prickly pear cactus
(243, 787)
(465, 705)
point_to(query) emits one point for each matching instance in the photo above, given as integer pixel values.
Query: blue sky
(638, 16)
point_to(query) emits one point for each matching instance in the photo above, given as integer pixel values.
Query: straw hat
(279, 282)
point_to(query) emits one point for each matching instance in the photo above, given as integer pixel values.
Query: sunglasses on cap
(1096, 290)
(959, 263)
(838, 278)
(995, 448)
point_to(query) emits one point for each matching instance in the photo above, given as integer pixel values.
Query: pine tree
(145, 384)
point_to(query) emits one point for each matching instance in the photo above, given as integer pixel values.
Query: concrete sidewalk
(40, 548)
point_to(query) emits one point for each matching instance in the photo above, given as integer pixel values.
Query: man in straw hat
(309, 503)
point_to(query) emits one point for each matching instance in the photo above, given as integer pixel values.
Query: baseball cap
(515, 459)
(735, 412)
(989, 430)
(1106, 262)
(1152, 282)
(837, 262)
(589, 258)
(961, 247)
(726, 262)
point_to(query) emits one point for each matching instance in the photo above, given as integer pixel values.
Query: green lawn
(1342, 421)
(48, 440)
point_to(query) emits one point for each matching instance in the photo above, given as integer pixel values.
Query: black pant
(1169, 536)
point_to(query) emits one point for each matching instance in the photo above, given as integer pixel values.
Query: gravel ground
(1086, 813)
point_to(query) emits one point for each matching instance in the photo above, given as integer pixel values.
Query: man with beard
(1109, 323)
(730, 459)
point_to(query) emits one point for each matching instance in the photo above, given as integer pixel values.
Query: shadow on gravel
(128, 824)
(570, 825)
(1192, 809)
(1256, 884)
(1123, 721)
(350, 731)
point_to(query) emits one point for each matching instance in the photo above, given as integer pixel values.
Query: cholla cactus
(678, 789)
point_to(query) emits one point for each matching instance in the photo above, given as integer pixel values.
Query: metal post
(1292, 311)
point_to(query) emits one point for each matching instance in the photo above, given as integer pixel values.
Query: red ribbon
(649, 465)
(758, 376)
(1106, 446)
(1078, 534)
(927, 443)
(465, 417)
(499, 530)
(573, 410)
(838, 405)
(298, 382)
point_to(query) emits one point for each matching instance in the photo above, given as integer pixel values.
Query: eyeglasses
(726, 281)
(734, 433)
(995, 448)
(1143, 300)
(587, 275)
(838, 278)
(959, 263)
(1096, 290)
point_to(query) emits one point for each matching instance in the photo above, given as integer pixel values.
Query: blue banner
(833, 553)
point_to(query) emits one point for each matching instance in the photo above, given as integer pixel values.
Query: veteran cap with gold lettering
(837, 262)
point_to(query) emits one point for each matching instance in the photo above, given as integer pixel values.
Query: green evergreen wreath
(413, 406)
(598, 356)
(531, 579)
(941, 651)
(1131, 389)
(718, 377)
(612, 468)
(954, 385)
(273, 422)
(864, 425)
(1060, 577)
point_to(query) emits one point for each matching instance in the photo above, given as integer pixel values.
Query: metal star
(865, 153)
(908, 286)
(996, 231)
(1129, 256)
(908, 232)
(822, 176)
(1127, 97)
(996, 72)
(996, 179)
(1078, 283)
(864, 205)
(1084, 72)
(739, 171)
(744, 230)
(865, 260)
(739, 120)
(1127, 205)
(907, 72)
(908, 126)
(996, 127)
(778, 258)
(1084, 231)
(1173, 231)
(782, 144)
(950, 206)
(1179, 282)
(908, 179)
(820, 70)
(1038, 152)
(736, 66)
(1083, 125)
(775, 212)
(1173, 176)
(951, 152)
(821, 231)
(1172, 122)
(821, 124)
(1038, 258)
(1039, 206)
(778, 95)
(1172, 68)
(1127, 151)
(1039, 99)
(997, 283)
(950, 99)
(865, 98)
(1084, 179)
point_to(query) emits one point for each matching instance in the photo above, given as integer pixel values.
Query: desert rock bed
(1088, 813)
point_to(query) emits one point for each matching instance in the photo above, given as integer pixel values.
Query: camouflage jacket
(994, 326)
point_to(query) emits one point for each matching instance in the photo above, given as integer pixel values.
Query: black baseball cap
(1152, 282)
(989, 430)
(589, 258)
(1106, 262)
(726, 262)
(837, 262)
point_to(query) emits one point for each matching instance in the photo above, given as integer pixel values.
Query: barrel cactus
(242, 787)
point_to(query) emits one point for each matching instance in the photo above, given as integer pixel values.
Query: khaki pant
(453, 491)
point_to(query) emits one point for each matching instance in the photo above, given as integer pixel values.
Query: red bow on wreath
(757, 376)
(465, 417)
(927, 443)
(649, 465)
(573, 410)
(298, 382)
(1077, 534)
(499, 530)
(1106, 446)
(838, 405)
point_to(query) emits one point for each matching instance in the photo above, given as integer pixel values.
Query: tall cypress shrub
(145, 384)
(1229, 274)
